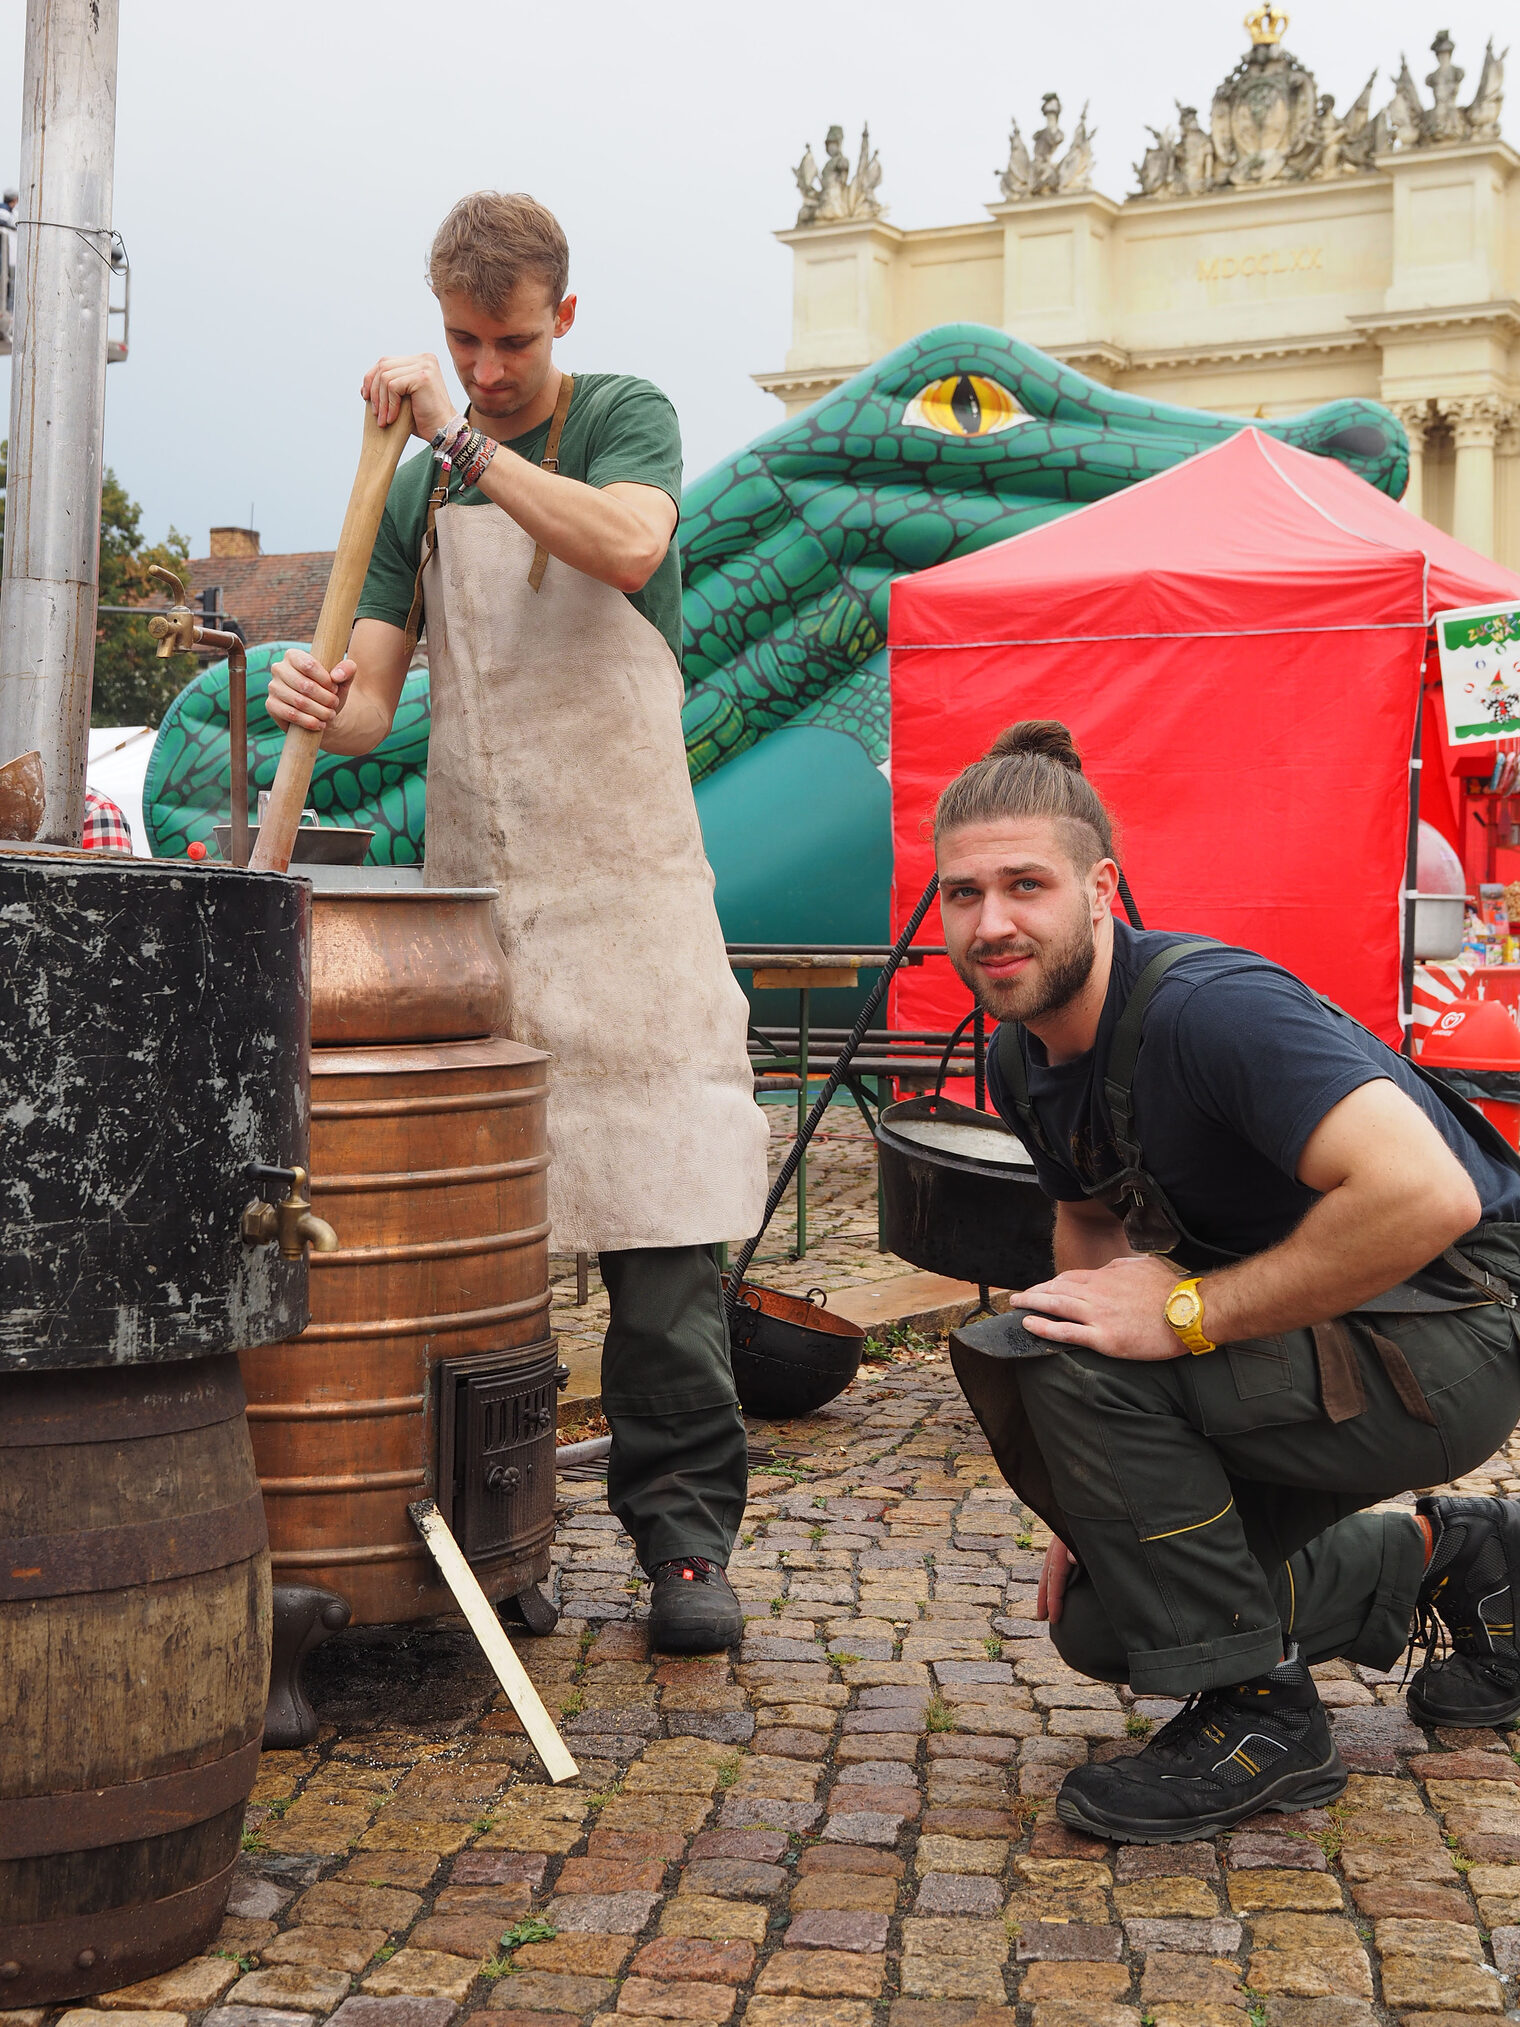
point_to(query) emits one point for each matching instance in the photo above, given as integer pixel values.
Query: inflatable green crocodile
(958, 439)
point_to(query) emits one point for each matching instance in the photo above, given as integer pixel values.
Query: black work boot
(1264, 1744)
(1469, 1587)
(692, 1607)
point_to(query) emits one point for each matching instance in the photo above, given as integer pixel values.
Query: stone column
(1416, 418)
(1476, 420)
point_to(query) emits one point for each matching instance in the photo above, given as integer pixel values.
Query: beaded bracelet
(446, 443)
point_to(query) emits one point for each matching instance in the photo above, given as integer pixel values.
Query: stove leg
(304, 1616)
(532, 1608)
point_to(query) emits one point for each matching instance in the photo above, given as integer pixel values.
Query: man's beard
(1055, 978)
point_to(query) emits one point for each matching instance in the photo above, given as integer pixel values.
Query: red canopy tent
(1236, 644)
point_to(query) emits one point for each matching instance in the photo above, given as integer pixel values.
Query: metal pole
(803, 1040)
(58, 393)
(1411, 874)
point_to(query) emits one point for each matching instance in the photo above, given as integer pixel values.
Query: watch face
(1183, 1307)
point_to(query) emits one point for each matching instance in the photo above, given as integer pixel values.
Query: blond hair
(490, 242)
(1033, 769)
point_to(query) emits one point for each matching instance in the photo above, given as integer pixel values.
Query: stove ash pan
(154, 1053)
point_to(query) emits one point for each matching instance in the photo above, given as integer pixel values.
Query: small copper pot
(404, 964)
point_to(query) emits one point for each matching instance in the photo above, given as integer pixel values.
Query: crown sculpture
(1266, 24)
(1270, 123)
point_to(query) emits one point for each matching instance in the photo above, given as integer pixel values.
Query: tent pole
(1412, 872)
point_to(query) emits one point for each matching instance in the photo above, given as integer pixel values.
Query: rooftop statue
(831, 194)
(1488, 100)
(1270, 123)
(1044, 171)
(1446, 121)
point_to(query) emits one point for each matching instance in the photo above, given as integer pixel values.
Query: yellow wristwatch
(1184, 1312)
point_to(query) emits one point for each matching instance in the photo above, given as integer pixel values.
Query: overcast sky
(280, 168)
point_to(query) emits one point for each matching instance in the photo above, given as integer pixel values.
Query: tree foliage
(132, 686)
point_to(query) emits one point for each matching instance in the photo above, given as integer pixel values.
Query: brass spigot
(291, 1223)
(174, 630)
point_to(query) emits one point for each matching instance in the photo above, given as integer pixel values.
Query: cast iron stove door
(504, 1485)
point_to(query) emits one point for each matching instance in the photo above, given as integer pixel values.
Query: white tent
(117, 767)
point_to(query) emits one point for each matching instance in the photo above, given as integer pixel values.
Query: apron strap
(436, 498)
(550, 463)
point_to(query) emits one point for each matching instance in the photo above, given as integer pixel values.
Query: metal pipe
(232, 647)
(591, 1452)
(58, 390)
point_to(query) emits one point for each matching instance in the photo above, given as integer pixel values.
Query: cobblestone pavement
(846, 1824)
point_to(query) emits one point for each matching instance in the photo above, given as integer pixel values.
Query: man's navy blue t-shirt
(1238, 1063)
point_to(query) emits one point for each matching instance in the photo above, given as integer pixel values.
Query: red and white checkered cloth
(105, 828)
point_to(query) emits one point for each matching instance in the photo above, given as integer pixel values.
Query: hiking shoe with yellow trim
(1467, 1598)
(1263, 1744)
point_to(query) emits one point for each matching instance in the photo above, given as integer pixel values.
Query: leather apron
(980, 1352)
(557, 774)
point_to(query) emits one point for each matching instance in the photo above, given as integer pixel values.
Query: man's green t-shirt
(619, 429)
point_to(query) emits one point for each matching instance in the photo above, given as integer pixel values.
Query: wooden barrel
(134, 1666)
(431, 1162)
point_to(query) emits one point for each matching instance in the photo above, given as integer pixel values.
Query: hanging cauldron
(153, 1072)
(959, 1195)
(791, 1354)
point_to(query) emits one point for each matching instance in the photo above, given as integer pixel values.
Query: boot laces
(692, 1568)
(1181, 1732)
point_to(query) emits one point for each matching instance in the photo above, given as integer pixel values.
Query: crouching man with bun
(1284, 1291)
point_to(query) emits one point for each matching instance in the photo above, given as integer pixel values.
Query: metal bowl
(791, 1354)
(326, 844)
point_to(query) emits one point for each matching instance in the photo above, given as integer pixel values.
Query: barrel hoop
(140, 1552)
(355, 1481)
(404, 1108)
(122, 1403)
(428, 1178)
(336, 1411)
(84, 1819)
(434, 1249)
(123, 1943)
(422, 1326)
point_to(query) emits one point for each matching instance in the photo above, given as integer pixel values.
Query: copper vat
(431, 1162)
(400, 962)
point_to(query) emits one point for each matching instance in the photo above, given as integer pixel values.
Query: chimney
(234, 541)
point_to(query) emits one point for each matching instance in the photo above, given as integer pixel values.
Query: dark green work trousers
(678, 1474)
(1216, 1510)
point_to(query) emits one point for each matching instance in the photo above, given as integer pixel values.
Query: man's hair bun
(1032, 769)
(1045, 736)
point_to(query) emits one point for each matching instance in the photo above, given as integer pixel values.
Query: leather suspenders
(438, 497)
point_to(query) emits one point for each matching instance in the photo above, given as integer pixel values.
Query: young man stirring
(1284, 1292)
(537, 544)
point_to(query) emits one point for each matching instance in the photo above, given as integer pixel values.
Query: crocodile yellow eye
(964, 404)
